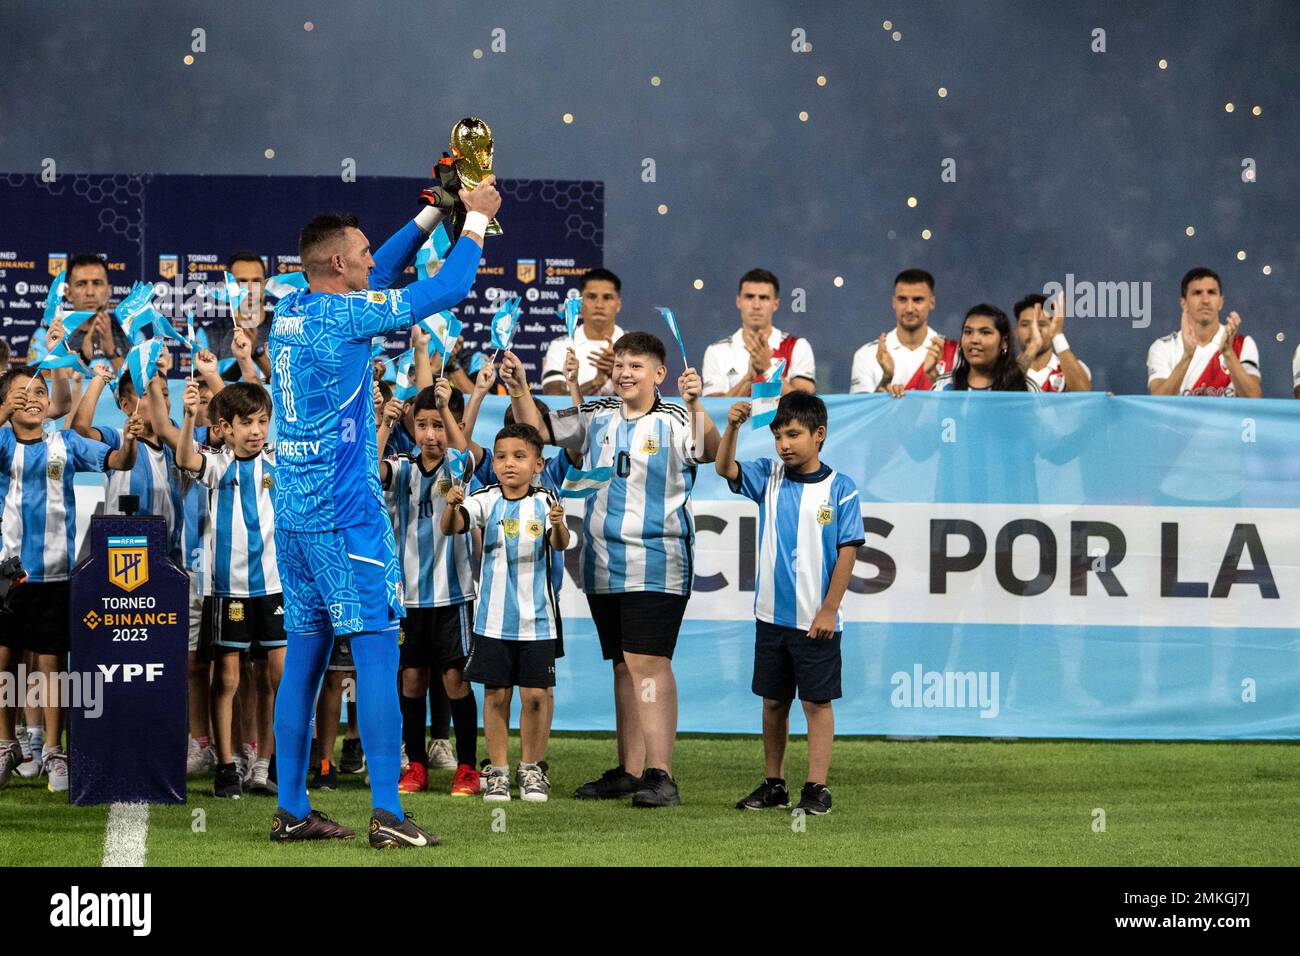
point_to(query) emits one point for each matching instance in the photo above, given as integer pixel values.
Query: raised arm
(725, 464)
(187, 455)
(123, 457)
(487, 375)
(455, 437)
(453, 516)
(84, 417)
(704, 434)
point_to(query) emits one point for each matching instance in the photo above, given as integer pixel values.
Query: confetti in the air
(888, 25)
(943, 91)
(1256, 110)
(1228, 107)
(269, 154)
(478, 54)
(1163, 64)
(821, 81)
(663, 209)
(655, 81)
(1191, 230)
(189, 59)
(309, 26)
(925, 233)
(911, 202)
(1267, 270)
(803, 116)
(839, 281)
(897, 36)
(698, 283)
(1241, 255)
(568, 117)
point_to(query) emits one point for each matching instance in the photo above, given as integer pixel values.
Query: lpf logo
(128, 562)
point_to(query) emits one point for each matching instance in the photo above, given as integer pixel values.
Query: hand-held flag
(584, 484)
(672, 326)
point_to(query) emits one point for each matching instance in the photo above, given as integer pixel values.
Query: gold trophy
(471, 152)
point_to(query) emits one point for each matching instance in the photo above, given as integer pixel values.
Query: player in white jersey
(1204, 357)
(911, 355)
(753, 352)
(38, 522)
(638, 539)
(241, 581)
(593, 340)
(810, 527)
(517, 626)
(1053, 366)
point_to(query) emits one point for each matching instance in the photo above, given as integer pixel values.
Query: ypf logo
(128, 562)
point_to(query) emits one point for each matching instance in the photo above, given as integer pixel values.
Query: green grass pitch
(948, 802)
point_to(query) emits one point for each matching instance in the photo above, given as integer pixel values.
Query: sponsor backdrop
(1064, 566)
(177, 232)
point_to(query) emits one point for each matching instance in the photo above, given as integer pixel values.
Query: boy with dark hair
(38, 521)
(518, 620)
(636, 560)
(808, 508)
(241, 581)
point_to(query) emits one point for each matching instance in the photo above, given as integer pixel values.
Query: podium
(129, 623)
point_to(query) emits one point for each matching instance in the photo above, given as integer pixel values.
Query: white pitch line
(126, 834)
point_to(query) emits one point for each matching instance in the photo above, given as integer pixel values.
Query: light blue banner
(1170, 528)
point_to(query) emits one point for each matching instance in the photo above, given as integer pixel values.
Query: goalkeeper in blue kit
(338, 560)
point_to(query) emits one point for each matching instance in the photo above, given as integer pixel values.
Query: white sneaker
(55, 765)
(533, 783)
(260, 774)
(30, 766)
(11, 755)
(200, 759)
(441, 756)
(496, 785)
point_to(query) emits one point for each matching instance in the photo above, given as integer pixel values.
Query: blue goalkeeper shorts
(346, 581)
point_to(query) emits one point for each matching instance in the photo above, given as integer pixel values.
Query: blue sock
(379, 715)
(305, 660)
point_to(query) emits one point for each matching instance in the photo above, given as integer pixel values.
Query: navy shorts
(500, 663)
(346, 580)
(436, 637)
(786, 659)
(637, 622)
(238, 624)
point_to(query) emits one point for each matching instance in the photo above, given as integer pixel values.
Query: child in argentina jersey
(518, 597)
(638, 530)
(437, 569)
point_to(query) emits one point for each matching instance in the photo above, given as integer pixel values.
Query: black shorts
(341, 654)
(436, 636)
(786, 659)
(637, 622)
(494, 662)
(37, 619)
(237, 624)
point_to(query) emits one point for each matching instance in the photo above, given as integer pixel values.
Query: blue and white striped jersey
(437, 570)
(239, 536)
(38, 507)
(638, 531)
(517, 601)
(156, 481)
(803, 521)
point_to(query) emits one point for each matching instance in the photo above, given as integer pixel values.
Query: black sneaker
(286, 828)
(657, 790)
(272, 783)
(611, 785)
(325, 781)
(387, 832)
(814, 799)
(769, 794)
(227, 783)
(353, 760)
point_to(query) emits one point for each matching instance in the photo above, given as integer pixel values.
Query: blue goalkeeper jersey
(321, 385)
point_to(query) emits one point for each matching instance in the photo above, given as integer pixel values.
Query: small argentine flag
(765, 397)
(429, 255)
(404, 388)
(456, 463)
(229, 292)
(572, 311)
(136, 312)
(671, 319)
(444, 329)
(60, 357)
(73, 321)
(503, 323)
(584, 484)
(277, 287)
(55, 297)
(142, 363)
